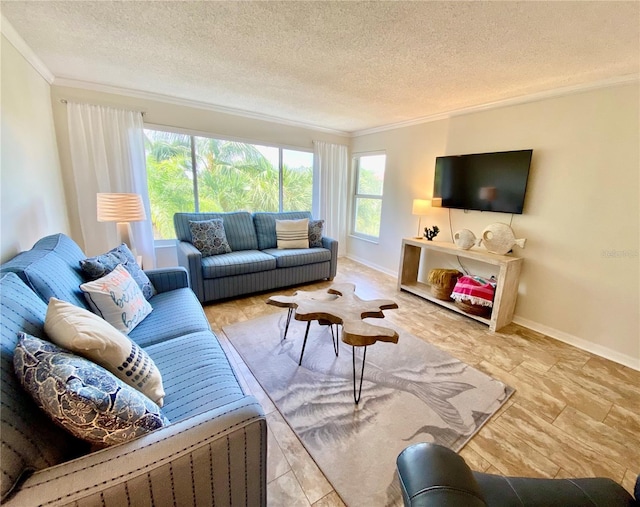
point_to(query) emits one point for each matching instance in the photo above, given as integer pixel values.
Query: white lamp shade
(421, 207)
(120, 208)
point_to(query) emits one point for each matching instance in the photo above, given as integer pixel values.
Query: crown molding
(139, 94)
(23, 48)
(523, 99)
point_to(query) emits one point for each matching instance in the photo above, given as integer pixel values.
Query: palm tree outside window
(195, 173)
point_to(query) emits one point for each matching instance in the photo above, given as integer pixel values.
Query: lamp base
(124, 235)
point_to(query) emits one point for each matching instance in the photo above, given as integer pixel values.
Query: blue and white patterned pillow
(315, 233)
(101, 265)
(81, 396)
(209, 237)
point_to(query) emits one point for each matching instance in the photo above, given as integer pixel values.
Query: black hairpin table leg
(304, 343)
(356, 399)
(286, 326)
(334, 338)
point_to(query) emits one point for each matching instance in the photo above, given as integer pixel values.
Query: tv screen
(483, 181)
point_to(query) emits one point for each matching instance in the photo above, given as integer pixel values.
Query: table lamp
(121, 208)
(420, 208)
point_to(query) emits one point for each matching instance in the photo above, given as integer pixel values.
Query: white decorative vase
(499, 239)
(465, 239)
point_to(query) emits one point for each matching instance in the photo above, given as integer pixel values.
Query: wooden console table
(506, 288)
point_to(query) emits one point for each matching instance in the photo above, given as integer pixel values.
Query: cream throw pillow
(292, 233)
(117, 298)
(92, 337)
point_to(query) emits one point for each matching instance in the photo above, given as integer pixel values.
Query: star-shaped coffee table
(339, 305)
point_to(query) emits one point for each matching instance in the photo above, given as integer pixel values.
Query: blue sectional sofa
(255, 263)
(213, 452)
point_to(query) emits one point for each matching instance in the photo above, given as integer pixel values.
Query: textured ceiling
(340, 65)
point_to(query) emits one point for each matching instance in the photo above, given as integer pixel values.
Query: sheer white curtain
(107, 155)
(331, 166)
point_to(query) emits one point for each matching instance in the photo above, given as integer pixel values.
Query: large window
(367, 202)
(194, 173)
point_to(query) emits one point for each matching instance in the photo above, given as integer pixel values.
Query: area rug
(412, 392)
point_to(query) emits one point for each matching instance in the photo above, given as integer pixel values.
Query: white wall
(580, 279)
(32, 196)
(176, 116)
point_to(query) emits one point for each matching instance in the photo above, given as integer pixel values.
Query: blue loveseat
(255, 263)
(212, 453)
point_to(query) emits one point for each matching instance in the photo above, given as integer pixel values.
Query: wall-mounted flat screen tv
(483, 181)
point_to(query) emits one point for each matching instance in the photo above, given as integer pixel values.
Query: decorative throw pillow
(117, 298)
(81, 396)
(209, 237)
(86, 334)
(292, 233)
(97, 267)
(315, 233)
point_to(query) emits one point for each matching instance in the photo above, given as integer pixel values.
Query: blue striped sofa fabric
(299, 256)
(213, 421)
(231, 286)
(265, 224)
(237, 263)
(196, 375)
(51, 268)
(190, 258)
(166, 279)
(245, 271)
(30, 440)
(175, 313)
(238, 227)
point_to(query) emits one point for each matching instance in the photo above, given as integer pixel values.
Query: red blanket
(475, 290)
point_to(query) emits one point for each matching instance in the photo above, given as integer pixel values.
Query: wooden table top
(339, 305)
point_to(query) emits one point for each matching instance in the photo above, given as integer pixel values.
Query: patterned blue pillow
(81, 396)
(209, 237)
(315, 233)
(97, 267)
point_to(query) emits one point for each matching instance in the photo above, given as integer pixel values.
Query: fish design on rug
(435, 391)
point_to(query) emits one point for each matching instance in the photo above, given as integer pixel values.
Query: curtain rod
(65, 101)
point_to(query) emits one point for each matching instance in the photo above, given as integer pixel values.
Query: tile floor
(573, 413)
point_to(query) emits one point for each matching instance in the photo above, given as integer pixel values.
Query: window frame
(355, 195)
(192, 134)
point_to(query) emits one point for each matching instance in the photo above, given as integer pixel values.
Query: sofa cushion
(175, 313)
(265, 225)
(117, 298)
(101, 265)
(209, 237)
(299, 256)
(237, 263)
(30, 440)
(52, 269)
(196, 373)
(92, 337)
(82, 396)
(238, 227)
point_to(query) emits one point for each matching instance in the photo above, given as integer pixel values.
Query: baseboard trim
(371, 265)
(556, 334)
(594, 348)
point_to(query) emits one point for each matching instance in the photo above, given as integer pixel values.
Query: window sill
(366, 239)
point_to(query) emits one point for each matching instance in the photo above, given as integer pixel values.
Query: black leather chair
(433, 475)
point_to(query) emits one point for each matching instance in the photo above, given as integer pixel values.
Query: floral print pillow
(81, 396)
(315, 233)
(209, 237)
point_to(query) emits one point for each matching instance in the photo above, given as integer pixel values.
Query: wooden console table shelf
(506, 288)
